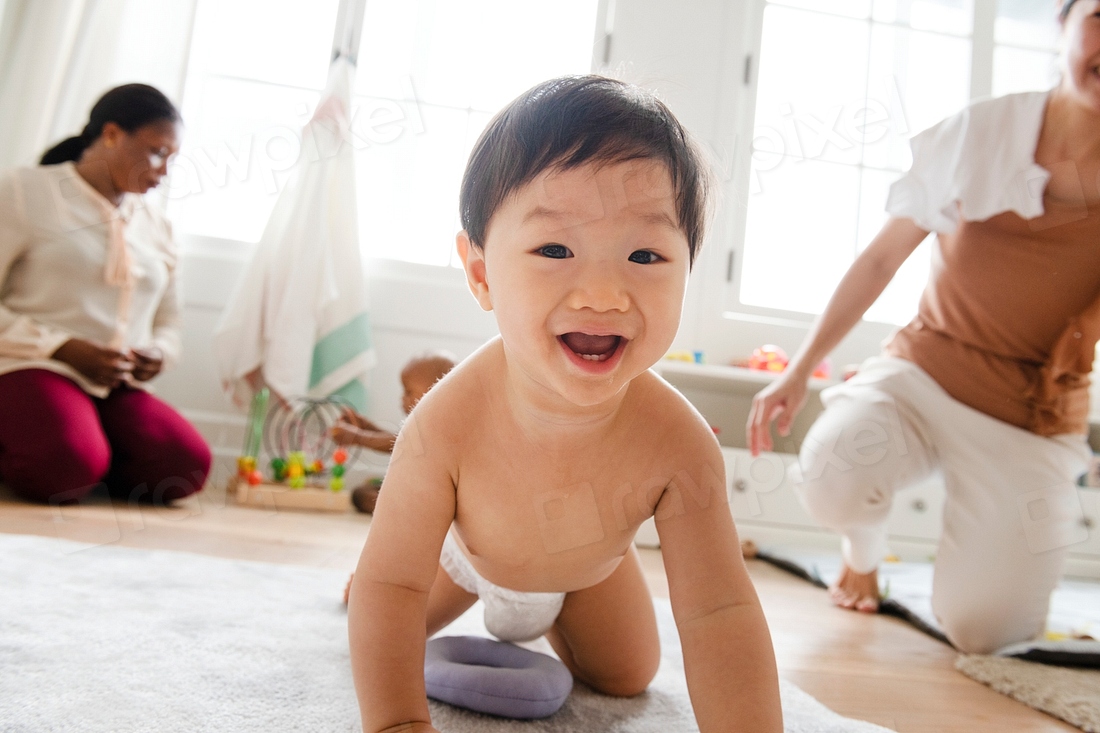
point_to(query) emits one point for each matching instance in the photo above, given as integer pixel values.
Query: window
(430, 76)
(1025, 57)
(842, 86)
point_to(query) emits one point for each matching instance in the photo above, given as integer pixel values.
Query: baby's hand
(352, 417)
(347, 434)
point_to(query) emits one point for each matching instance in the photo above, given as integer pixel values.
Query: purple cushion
(495, 677)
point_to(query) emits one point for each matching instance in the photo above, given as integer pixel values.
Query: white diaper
(510, 615)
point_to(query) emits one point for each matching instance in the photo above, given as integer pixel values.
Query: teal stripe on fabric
(355, 393)
(339, 347)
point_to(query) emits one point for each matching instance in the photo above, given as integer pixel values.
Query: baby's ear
(473, 261)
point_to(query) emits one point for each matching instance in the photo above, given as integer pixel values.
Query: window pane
(476, 54)
(408, 187)
(241, 139)
(278, 41)
(851, 8)
(898, 303)
(800, 235)
(812, 68)
(430, 75)
(1020, 70)
(945, 16)
(917, 79)
(1027, 23)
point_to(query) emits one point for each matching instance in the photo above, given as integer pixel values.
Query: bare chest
(537, 521)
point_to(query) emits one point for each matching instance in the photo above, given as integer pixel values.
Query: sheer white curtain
(58, 56)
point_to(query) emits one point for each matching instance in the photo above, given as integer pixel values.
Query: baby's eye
(554, 251)
(644, 257)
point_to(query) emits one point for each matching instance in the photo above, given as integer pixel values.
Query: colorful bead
(338, 470)
(339, 456)
(336, 483)
(255, 477)
(297, 482)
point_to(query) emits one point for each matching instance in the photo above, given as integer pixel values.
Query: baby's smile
(593, 352)
(591, 347)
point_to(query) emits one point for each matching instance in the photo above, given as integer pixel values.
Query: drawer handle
(919, 505)
(740, 485)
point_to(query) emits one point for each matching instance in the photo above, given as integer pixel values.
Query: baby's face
(586, 271)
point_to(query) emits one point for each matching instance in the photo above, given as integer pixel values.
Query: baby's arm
(389, 596)
(728, 655)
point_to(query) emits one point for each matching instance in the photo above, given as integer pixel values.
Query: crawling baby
(522, 477)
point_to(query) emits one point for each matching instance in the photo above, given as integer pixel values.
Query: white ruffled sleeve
(975, 164)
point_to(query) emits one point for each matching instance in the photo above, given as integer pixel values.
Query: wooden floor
(870, 667)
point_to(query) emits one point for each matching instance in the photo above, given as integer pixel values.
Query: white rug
(104, 639)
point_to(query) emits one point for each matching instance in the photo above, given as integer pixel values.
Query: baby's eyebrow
(541, 212)
(661, 218)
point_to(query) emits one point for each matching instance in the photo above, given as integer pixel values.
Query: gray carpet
(1070, 694)
(104, 639)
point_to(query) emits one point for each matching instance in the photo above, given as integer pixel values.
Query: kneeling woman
(988, 385)
(89, 314)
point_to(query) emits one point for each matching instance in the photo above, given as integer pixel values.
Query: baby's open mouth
(589, 347)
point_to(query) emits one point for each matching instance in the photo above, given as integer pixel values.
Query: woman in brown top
(988, 385)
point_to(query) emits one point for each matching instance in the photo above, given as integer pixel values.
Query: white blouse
(975, 164)
(54, 229)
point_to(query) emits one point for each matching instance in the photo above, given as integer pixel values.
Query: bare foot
(856, 591)
(347, 588)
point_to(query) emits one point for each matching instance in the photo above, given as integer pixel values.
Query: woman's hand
(780, 401)
(147, 363)
(102, 365)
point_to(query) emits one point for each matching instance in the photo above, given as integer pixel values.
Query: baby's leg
(446, 601)
(607, 634)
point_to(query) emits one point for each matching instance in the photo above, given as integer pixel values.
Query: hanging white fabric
(57, 57)
(298, 322)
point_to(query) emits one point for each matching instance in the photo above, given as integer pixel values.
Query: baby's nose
(600, 289)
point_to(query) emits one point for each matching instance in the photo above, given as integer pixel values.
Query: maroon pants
(57, 442)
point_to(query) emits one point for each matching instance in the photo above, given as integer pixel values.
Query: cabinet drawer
(760, 489)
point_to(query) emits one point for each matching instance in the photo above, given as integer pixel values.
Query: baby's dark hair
(568, 122)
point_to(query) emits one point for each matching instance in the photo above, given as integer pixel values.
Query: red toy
(768, 358)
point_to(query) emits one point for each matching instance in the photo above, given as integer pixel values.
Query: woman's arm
(858, 289)
(21, 337)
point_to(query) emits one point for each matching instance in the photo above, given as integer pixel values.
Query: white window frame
(389, 269)
(725, 315)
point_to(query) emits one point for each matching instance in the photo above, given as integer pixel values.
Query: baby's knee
(627, 682)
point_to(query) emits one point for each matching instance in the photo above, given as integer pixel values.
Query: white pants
(1011, 510)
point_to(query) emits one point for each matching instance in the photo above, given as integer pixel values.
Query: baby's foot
(347, 588)
(856, 591)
